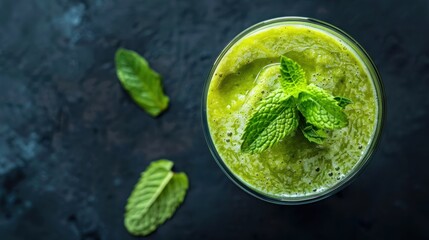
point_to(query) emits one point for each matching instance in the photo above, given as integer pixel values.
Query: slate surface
(72, 143)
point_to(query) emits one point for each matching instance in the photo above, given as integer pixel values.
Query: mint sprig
(277, 116)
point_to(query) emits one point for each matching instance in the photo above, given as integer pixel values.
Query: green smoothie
(249, 71)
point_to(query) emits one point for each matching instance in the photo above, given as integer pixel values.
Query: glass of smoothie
(295, 170)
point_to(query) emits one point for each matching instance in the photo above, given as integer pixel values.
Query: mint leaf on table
(342, 101)
(155, 198)
(314, 134)
(292, 76)
(151, 184)
(274, 118)
(141, 82)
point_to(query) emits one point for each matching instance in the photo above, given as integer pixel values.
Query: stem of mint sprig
(278, 115)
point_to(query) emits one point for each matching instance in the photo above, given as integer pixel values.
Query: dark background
(72, 143)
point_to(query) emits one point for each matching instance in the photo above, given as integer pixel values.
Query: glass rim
(366, 61)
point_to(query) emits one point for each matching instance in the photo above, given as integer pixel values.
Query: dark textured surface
(72, 143)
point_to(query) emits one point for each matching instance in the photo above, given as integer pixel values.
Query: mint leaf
(293, 76)
(342, 101)
(141, 82)
(314, 134)
(155, 198)
(274, 118)
(321, 109)
(158, 173)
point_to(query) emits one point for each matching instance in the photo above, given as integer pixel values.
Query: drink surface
(249, 71)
